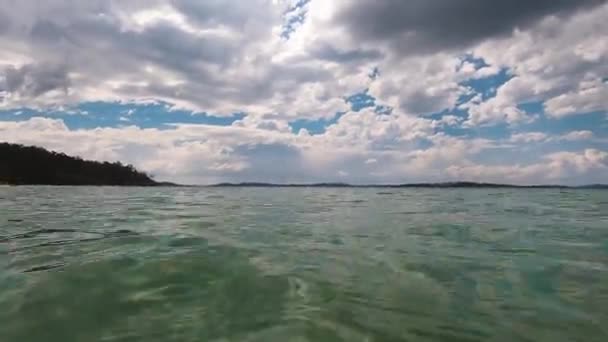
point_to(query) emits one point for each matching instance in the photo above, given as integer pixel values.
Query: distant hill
(409, 185)
(275, 185)
(29, 165)
(24, 165)
(594, 186)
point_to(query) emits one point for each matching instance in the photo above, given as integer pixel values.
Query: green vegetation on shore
(25, 165)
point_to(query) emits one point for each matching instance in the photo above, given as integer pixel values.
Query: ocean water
(258, 264)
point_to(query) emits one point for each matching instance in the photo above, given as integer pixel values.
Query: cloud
(436, 74)
(578, 135)
(450, 120)
(419, 85)
(540, 137)
(589, 97)
(230, 56)
(528, 137)
(567, 81)
(564, 164)
(35, 80)
(426, 26)
(327, 52)
(213, 56)
(378, 150)
(583, 167)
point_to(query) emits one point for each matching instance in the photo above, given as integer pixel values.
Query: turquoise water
(254, 264)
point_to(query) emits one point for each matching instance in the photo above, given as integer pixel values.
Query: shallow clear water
(254, 264)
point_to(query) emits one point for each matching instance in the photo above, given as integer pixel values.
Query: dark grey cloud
(330, 53)
(421, 102)
(424, 26)
(272, 162)
(35, 80)
(240, 15)
(166, 41)
(210, 55)
(4, 22)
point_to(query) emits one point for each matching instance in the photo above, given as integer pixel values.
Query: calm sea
(258, 264)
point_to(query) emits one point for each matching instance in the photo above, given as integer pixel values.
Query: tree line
(21, 165)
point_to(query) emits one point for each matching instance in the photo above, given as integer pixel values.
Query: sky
(286, 91)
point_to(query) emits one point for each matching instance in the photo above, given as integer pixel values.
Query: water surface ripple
(255, 264)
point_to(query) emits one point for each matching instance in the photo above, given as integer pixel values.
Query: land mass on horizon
(407, 185)
(31, 165)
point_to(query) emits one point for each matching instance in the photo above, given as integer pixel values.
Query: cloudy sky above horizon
(359, 91)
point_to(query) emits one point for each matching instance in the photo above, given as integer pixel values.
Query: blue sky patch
(533, 108)
(476, 61)
(295, 16)
(360, 101)
(90, 115)
(487, 86)
(581, 122)
(314, 127)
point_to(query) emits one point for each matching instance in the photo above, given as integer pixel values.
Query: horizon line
(456, 184)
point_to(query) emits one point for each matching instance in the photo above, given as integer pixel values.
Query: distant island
(408, 185)
(29, 165)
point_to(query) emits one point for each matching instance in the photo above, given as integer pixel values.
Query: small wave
(44, 268)
(215, 197)
(92, 236)
(356, 201)
(207, 286)
(34, 233)
(38, 232)
(518, 251)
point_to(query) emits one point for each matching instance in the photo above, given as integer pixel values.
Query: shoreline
(455, 185)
